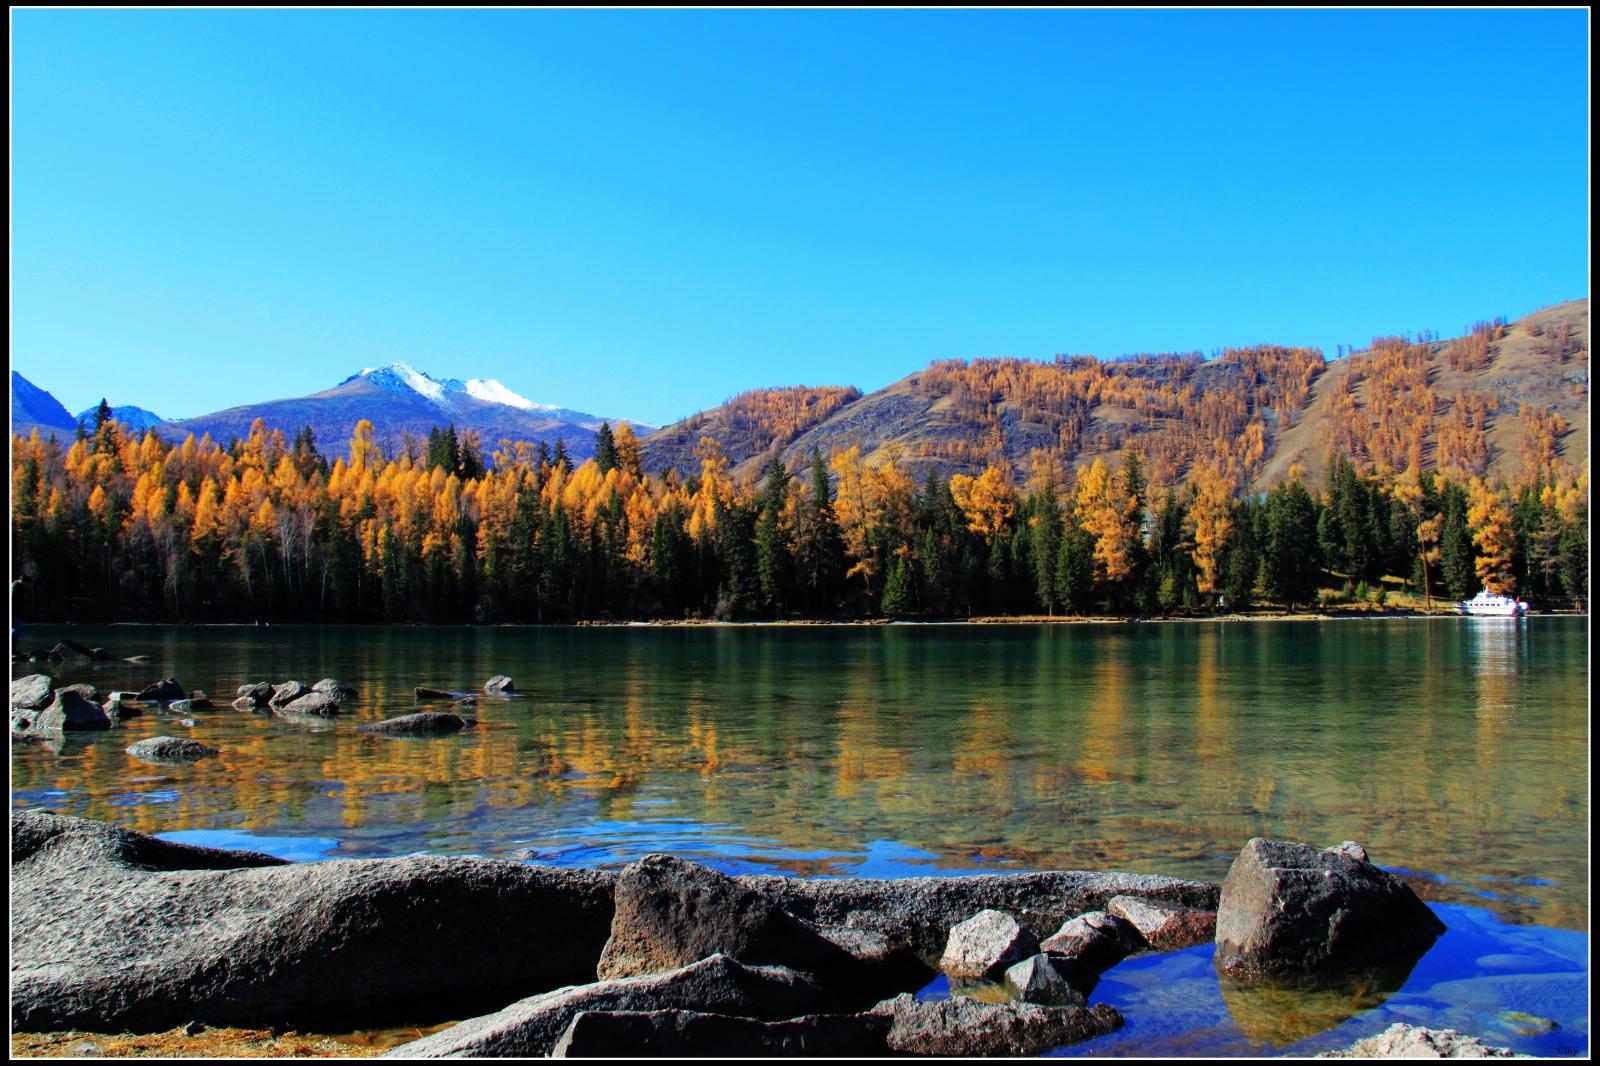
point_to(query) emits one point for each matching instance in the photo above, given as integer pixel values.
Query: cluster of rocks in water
(116, 930)
(41, 711)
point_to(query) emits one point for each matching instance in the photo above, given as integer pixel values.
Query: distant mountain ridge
(32, 406)
(127, 414)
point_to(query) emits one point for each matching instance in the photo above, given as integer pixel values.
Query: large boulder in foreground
(1402, 1041)
(1291, 908)
(917, 913)
(963, 1026)
(682, 1033)
(717, 985)
(671, 912)
(113, 930)
(986, 945)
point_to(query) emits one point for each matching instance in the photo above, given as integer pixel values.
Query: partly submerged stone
(423, 692)
(421, 724)
(963, 1026)
(287, 693)
(1165, 926)
(1097, 939)
(682, 1033)
(33, 692)
(499, 684)
(161, 691)
(258, 692)
(716, 985)
(1050, 979)
(986, 944)
(1288, 907)
(170, 750)
(316, 704)
(70, 711)
(335, 688)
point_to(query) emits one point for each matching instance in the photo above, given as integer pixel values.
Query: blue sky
(643, 213)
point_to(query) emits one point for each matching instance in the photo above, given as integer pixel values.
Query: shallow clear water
(1454, 749)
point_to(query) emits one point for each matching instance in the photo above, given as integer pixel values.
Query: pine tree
(605, 449)
(1290, 555)
(102, 414)
(897, 590)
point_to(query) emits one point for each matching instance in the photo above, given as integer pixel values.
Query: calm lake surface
(1455, 749)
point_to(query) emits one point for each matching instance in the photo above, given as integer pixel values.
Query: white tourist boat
(1492, 603)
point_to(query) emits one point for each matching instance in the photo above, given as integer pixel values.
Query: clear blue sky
(643, 213)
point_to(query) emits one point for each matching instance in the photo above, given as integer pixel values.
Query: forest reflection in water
(1453, 748)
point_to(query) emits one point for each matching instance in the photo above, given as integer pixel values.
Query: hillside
(1472, 405)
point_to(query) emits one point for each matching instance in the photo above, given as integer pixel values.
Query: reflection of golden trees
(1154, 749)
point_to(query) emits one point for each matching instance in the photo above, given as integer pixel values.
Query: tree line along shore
(117, 525)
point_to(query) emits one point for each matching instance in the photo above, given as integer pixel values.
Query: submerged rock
(1098, 940)
(532, 1027)
(498, 684)
(196, 703)
(114, 930)
(1165, 926)
(962, 1026)
(682, 1033)
(1295, 908)
(423, 692)
(986, 944)
(421, 724)
(1402, 1041)
(170, 750)
(335, 688)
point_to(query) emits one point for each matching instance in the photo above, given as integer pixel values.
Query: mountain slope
(1251, 413)
(127, 414)
(33, 407)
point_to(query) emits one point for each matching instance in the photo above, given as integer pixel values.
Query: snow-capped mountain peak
(491, 391)
(402, 377)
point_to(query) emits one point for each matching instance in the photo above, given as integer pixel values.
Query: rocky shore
(113, 930)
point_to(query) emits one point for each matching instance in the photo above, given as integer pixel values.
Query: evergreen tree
(1457, 557)
(897, 590)
(774, 561)
(605, 449)
(560, 457)
(1290, 556)
(102, 414)
(819, 547)
(1046, 548)
(1075, 568)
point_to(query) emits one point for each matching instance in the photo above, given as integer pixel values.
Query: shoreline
(686, 623)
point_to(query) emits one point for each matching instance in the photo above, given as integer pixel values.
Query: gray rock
(671, 912)
(33, 692)
(335, 688)
(69, 711)
(317, 704)
(680, 1033)
(918, 912)
(717, 985)
(287, 693)
(259, 692)
(1402, 1041)
(70, 651)
(963, 1026)
(1097, 939)
(138, 659)
(498, 684)
(189, 706)
(986, 944)
(88, 692)
(162, 691)
(1296, 908)
(170, 750)
(423, 692)
(1165, 926)
(1049, 979)
(421, 724)
(113, 930)
(245, 703)
(1350, 848)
